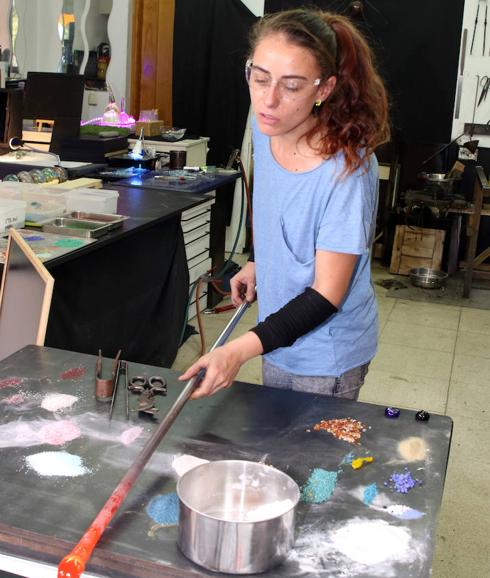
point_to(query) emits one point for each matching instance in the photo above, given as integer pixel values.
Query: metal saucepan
(236, 516)
(427, 278)
(438, 183)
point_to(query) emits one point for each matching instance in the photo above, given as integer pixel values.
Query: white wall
(475, 64)
(5, 39)
(37, 46)
(255, 6)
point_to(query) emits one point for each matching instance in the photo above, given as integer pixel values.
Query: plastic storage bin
(43, 203)
(15, 190)
(12, 214)
(92, 200)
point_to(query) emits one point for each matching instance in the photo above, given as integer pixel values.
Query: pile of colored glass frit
(345, 429)
(402, 482)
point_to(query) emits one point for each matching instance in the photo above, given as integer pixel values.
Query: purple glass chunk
(392, 412)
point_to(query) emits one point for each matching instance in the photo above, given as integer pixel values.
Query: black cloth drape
(210, 94)
(417, 48)
(135, 294)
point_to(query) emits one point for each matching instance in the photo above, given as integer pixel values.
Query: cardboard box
(150, 128)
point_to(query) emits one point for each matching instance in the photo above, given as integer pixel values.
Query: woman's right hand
(243, 285)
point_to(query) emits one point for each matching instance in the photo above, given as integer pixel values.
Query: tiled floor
(434, 357)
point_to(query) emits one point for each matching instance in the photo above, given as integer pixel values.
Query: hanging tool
(485, 84)
(474, 27)
(485, 27)
(474, 105)
(73, 564)
(459, 86)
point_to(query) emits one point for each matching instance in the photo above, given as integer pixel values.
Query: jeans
(346, 385)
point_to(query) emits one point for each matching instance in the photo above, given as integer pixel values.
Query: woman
(320, 109)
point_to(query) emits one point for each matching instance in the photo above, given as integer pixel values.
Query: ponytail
(354, 119)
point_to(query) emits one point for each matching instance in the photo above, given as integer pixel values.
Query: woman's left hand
(221, 367)
(222, 364)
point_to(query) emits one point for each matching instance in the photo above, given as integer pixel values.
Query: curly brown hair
(354, 119)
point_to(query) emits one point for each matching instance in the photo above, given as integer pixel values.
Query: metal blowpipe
(73, 564)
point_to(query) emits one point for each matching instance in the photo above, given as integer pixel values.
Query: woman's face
(282, 85)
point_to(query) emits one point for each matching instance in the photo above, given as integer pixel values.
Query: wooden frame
(25, 297)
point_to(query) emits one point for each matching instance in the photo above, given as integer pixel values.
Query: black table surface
(43, 516)
(145, 208)
(202, 183)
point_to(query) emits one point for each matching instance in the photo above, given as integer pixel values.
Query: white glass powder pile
(372, 541)
(58, 401)
(57, 464)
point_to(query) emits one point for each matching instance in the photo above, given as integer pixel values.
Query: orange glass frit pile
(346, 429)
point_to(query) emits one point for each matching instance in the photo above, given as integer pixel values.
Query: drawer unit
(197, 260)
(197, 222)
(199, 269)
(197, 246)
(199, 210)
(196, 226)
(197, 234)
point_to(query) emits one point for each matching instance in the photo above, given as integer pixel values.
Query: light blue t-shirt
(294, 214)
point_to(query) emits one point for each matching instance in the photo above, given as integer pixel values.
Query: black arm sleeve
(251, 256)
(295, 319)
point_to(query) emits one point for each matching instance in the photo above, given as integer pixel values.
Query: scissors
(485, 84)
(155, 385)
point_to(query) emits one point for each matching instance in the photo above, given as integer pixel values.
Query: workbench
(128, 290)
(474, 265)
(42, 516)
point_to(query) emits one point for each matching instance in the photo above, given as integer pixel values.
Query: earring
(318, 102)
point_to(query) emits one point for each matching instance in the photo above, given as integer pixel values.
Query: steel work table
(42, 516)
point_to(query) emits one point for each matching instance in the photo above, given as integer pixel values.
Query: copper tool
(104, 388)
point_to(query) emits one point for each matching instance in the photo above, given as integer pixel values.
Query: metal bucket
(428, 278)
(236, 516)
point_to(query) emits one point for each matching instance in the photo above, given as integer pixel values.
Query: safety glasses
(289, 87)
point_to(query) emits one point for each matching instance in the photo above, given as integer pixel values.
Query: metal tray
(114, 221)
(77, 227)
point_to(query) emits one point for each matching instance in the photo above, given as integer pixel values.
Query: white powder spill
(185, 462)
(268, 511)
(57, 464)
(58, 401)
(372, 541)
(359, 547)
